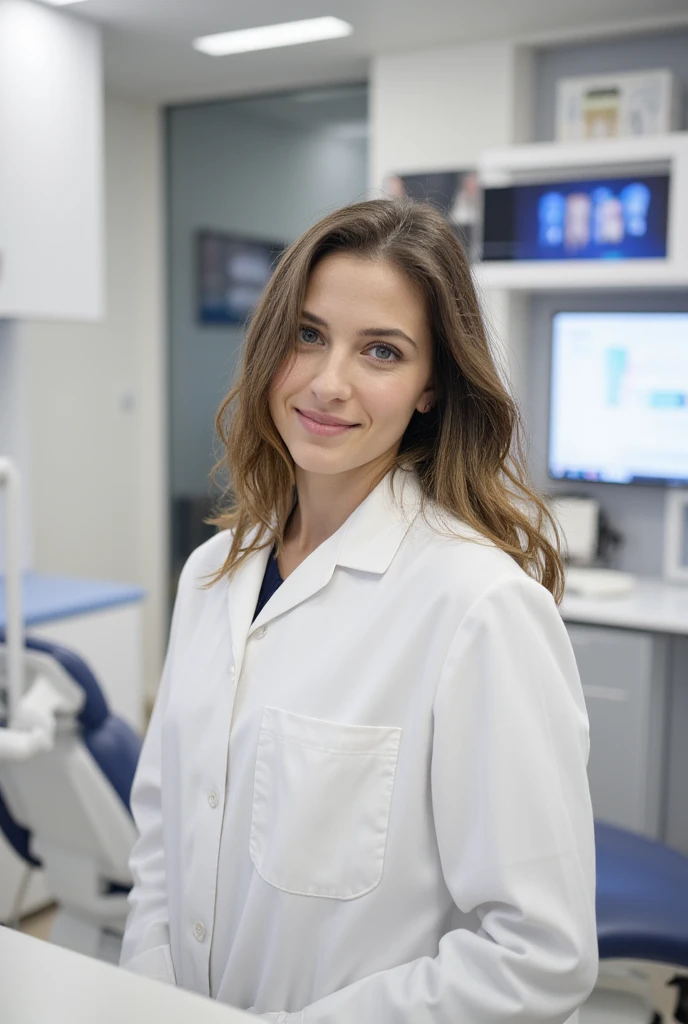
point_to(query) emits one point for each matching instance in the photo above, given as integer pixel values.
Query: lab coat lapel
(367, 541)
(307, 579)
(244, 588)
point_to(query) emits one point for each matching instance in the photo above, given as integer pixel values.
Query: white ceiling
(148, 42)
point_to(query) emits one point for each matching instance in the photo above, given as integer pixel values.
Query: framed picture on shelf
(232, 271)
(613, 106)
(456, 193)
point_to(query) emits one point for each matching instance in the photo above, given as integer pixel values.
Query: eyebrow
(367, 332)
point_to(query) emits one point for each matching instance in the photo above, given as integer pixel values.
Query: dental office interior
(151, 170)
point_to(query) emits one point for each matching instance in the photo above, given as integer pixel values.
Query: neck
(325, 502)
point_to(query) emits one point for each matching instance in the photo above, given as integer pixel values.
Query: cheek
(288, 379)
(392, 400)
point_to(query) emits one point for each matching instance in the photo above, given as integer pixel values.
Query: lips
(323, 429)
(321, 417)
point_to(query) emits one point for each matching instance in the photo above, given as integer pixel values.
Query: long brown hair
(467, 451)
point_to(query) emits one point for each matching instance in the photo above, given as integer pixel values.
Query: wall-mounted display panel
(232, 272)
(619, 398)
(587, 219)
(608, 214)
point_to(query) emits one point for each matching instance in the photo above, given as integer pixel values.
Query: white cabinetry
(51, 164)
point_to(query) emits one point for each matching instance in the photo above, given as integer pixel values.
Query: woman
(363, 797)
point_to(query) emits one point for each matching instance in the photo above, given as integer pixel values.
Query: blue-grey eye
(390, 354)
(308, 330)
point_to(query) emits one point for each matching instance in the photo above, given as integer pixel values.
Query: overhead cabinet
(51, 164)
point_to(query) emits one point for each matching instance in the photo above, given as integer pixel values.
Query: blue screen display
(606, 218)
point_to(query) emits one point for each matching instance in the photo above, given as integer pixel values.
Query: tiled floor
(39, 924)
(613, 1008)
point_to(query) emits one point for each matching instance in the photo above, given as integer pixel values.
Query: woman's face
(362, 365)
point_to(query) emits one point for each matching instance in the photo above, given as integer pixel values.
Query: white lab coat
(371, 804)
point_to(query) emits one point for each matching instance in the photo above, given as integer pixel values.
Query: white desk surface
(653, 605)
(43, 984)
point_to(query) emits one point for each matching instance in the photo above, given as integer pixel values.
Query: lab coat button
(212, 798)
(260, 633)
(199, 931)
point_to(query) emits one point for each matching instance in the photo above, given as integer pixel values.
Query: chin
(324, 463)
(326, 458)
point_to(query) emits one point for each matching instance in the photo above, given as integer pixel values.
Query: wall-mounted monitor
(619, 398)
(232, 273)
(599, 218)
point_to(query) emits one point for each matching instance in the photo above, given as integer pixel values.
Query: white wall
(96, 396)
(438, 109)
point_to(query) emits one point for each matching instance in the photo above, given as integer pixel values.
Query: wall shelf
(568, 275)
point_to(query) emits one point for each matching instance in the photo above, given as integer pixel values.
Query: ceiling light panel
(268, 37)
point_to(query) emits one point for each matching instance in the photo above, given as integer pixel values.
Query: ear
(426, 400)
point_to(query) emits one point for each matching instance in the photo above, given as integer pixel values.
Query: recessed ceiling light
(267, 37)
(62, 3)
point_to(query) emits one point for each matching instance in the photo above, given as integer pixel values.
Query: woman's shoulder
(203, 563)
(460, 561)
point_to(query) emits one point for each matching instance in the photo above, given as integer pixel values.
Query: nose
(332, 380)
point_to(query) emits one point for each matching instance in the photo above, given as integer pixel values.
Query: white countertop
(653, 605)
(43, 984)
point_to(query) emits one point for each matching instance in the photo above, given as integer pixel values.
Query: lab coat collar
(367, 542)
(374, 531)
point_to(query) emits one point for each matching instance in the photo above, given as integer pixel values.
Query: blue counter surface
(49, 598)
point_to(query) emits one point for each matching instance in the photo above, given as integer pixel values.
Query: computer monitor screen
(601, 218)
(232, 273)
(619, 398)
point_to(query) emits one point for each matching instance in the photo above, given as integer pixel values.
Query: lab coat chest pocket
(321, 803)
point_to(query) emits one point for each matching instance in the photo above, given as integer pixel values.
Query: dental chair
(66, 770)
(642, 922)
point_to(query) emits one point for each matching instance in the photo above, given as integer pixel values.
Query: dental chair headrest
(95, 709)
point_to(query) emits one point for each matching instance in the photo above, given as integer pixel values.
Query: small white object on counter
(598, 582)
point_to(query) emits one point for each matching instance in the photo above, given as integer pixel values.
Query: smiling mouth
(314, 426)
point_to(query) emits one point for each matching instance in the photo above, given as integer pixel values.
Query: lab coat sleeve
(514, 830)
(146, 942)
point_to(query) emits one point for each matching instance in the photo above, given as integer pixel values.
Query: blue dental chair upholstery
(642, 910)
(642, 898)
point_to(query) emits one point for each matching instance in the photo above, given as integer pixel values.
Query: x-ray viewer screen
(619, 397)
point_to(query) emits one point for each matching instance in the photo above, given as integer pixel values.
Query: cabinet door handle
(605, 693)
